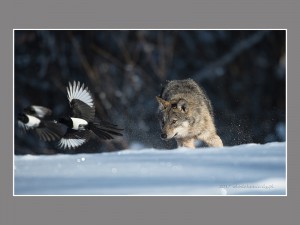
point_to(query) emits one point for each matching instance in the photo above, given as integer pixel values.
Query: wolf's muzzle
(163, 136)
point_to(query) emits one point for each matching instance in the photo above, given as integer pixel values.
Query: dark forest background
(243, 73)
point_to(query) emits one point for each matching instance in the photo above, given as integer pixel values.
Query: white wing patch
(32, 123)
(77, 91)
(77, 122)
(70, 143)
(41, 111)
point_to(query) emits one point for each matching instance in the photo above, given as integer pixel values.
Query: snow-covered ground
(249, 169)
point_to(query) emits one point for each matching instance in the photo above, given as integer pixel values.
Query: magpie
(33, 118)
(82, 124)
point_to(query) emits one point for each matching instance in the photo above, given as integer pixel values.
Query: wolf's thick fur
(185, 113)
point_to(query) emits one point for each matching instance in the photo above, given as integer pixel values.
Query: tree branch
(210, 70)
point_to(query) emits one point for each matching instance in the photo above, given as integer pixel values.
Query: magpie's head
(66, 121)
(23, 117)
(30, 110)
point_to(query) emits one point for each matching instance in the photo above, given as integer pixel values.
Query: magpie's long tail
(105, 130)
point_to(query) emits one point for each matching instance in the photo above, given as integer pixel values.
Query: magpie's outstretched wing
(73, 139)
(50, 131)
(38, 111)
(81, 101)
(82, 110)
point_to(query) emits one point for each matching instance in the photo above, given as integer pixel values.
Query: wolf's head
(173, 117)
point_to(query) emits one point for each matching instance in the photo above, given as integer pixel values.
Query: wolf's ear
(162, 103)
(182, 105)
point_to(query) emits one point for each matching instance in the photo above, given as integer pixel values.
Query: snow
(250, 169)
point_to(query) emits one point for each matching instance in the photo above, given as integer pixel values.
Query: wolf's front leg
(187, 143)
(211, 139)
(214, 141)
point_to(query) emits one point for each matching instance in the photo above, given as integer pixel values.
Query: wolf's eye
(174, 121)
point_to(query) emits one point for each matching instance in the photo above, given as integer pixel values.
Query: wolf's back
(186, 89)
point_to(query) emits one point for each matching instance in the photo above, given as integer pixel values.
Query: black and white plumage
(82, 124)
(33, 118)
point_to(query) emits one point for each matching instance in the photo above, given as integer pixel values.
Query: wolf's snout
(163, 136)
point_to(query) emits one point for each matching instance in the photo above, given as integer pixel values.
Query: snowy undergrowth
(249, 169)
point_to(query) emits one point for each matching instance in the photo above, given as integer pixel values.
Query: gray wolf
(185, 113)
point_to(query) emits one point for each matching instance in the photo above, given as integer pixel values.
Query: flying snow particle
(223, 191)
